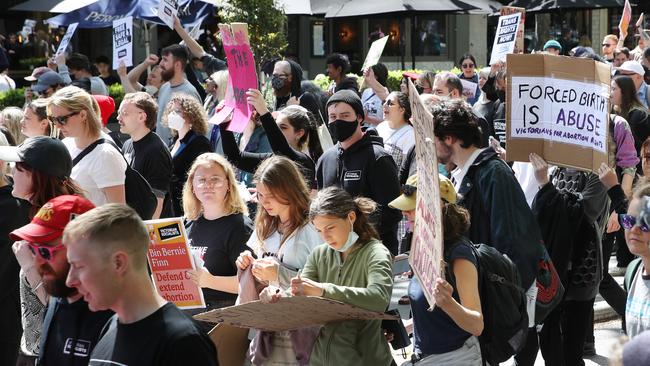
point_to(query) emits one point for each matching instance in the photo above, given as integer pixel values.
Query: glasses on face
(629, 221)
(124, 112)
(46, 252)
(607, 45)
(217, 182)
(61, 120)
(281, 76)
(467, 66)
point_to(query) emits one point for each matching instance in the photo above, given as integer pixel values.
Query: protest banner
(626, 18)
(469, 88)
(558, 108)
(170, 258)
(123, 42)
(505, 37)
(519, 43)
(167, 9)
(242, 76)
(374, 54)
(288, 313)
(426, 256)
(65, 41)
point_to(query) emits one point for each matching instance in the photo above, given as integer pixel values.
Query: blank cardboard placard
(426, 256)
(374, 53)
(558, 108)
(288, 314)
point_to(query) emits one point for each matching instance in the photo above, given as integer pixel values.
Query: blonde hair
(233, 202)
(221, 80)
(611, 37)
(192, 110)
(76, 99)
(11, 117)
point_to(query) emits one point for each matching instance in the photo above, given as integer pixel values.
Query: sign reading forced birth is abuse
(170, 258)
(558, 108)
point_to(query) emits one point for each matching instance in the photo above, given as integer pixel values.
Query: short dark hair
(102, 59)
(623, 50)
(77, 61)
(465, 57)
(178, 52)
(453, 82)
(403, 102)
(381, 73)
(339, 60)
(83, 83)
(147, 104)
(455, 118)
(646, 53)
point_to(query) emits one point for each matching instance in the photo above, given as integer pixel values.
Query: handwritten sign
(167, 9)
(519, 42)
(289, 313)
(374, 54)
(241, 74)
(505, 37)
(123, 42)
(65, 41)
(469, 88)
(426, 257)
(558, 108)
(626, 18)
(170, 258)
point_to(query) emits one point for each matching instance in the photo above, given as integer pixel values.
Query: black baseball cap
(43, 153)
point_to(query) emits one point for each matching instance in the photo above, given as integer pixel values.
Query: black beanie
(348, 97)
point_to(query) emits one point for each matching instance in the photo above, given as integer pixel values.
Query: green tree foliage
(266, 25)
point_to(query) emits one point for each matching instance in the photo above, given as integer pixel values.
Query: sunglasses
(467, 66)
(61, 120)
(607, 45)
(629, 221)
(46, 252)
(389, 103)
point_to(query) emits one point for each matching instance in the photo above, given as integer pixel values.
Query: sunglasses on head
(46, 252)
(629, 221)
(61, 120)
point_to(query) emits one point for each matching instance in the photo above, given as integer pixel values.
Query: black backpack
(138, 192)
(503, 303)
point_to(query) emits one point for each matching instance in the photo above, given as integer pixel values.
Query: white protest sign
(469, 88)
(374, 54)
(123, 42)
(65, 41)
(505, 37)
(426, 256)
(167, 9)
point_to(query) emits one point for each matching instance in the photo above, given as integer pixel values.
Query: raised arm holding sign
(505, 37)
(65, 41)
(123, 42)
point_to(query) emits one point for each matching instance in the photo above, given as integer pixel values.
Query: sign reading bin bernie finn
(558, 108)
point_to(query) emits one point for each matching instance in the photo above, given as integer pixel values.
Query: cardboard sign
(170, 258)
(167, 9)
(426, 257)
(374, 54)
(505, 37)
(626, 18)
(65, 41)
(558, 108)
(288, 314)
(519, 43)
(469, 88)
(242, 74)
(123, 42)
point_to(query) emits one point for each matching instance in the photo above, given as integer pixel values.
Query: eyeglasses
(281, 76)
(212, 181)
(629, 221)
(124, 112)
(61, 120)
(607, 45)
(467, 66)
(46, 252)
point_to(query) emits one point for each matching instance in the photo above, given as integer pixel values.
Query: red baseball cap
(106, 106)
(51, 219)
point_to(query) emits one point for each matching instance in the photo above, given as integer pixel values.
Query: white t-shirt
(101, 168)
(397, 142)
(372, 105)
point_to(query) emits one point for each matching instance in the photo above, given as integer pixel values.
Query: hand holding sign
(505, 37)
(540, 167)
(65, 41)
(123, 42)
(254, 97)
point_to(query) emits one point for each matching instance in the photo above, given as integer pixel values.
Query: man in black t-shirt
(107, 249)
(71, 330)
(145, 151)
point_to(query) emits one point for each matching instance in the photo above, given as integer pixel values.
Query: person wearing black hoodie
(359, 164)
(286, 84)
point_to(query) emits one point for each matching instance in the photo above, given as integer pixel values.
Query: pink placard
(241, 73)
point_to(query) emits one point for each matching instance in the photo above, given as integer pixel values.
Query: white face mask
(174, 121)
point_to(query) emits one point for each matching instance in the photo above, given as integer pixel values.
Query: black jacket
(365, 169)
(499, 214)
(639, 121)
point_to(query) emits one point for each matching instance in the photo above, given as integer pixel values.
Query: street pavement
(607, 327)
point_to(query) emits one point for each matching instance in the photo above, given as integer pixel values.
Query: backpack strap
(86, 151)
(630, 272)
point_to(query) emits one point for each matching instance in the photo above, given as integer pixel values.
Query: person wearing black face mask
(359, 164)
(286, 83)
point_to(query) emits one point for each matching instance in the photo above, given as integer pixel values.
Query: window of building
(318, 37)
(430, 35)
(380, 27)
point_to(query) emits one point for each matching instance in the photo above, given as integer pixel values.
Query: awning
(352, 8)
(548, 5)
(52, 6)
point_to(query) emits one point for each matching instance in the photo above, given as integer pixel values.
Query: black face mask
(342, 130)
(277, 83)
(502, 95)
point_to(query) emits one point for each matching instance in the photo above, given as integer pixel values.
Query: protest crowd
(312, 193)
